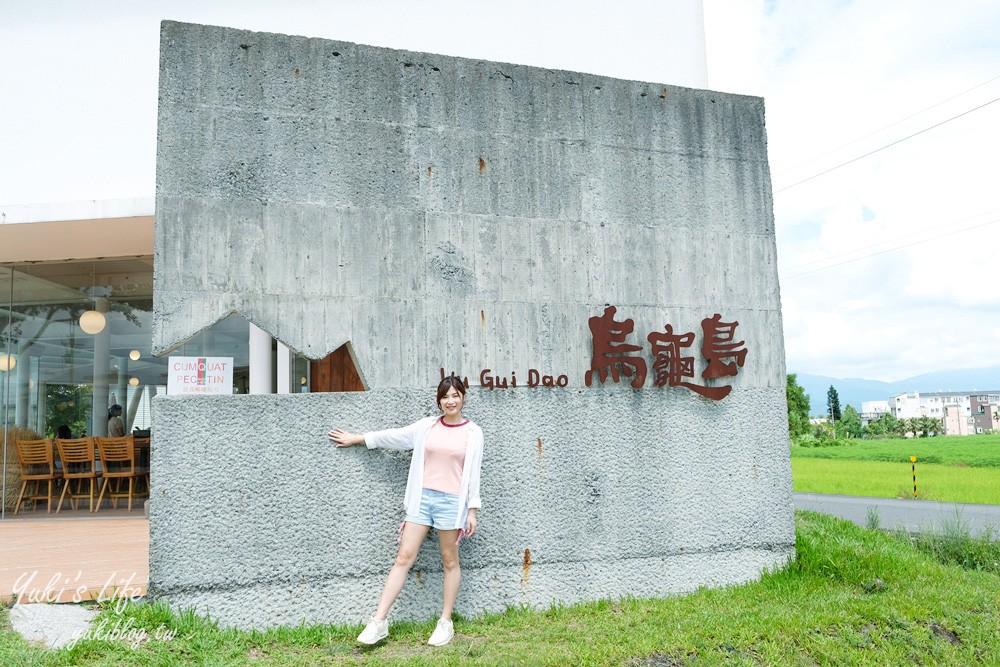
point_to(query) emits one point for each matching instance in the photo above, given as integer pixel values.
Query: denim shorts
(437, 509)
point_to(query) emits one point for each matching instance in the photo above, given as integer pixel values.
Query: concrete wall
(446, 213)
(256, 518)
(297, 187)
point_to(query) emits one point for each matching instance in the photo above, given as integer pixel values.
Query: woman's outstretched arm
(393, 438)
(345, 439)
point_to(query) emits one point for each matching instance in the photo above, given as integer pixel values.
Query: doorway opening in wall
(338, 371)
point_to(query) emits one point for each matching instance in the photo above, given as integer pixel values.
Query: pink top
(444, 456)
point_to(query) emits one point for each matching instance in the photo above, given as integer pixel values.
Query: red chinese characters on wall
(613, 356)
(719, 345)
(611, 350)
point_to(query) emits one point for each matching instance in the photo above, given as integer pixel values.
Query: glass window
(71, 329)
(75, 341)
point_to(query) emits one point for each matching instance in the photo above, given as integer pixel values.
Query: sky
(882, 122)
(888, 264)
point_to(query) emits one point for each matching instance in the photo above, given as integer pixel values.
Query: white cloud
(834, 75)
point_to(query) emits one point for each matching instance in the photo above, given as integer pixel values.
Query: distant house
(960, 412)
(872, 411)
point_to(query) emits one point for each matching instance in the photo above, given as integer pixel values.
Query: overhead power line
(898, 141)
(893, 124)
(899, 238)
(882, 252)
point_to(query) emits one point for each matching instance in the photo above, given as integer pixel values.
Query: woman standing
(442, 491)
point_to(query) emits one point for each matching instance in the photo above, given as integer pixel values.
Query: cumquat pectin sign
(200, 375)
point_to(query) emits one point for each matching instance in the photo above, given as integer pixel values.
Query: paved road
(913, 515)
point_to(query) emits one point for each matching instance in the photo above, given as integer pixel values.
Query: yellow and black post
(913, 466)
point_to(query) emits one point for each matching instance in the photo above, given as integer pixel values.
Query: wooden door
(335, 372)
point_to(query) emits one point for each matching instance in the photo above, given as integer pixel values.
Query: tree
(876, 428)
(798, 408)
(891, 424)
(885, 426)
(833, 404)
(850, 423)
(929, 425)
(823, 431)
(67, 405)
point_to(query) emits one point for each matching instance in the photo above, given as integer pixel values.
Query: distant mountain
(854, 390)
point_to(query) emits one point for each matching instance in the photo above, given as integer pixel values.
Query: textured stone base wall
(258, 520)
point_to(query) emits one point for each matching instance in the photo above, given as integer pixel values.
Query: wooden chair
(118, 458)
(37, 460)
(142, 457)
(78, 462)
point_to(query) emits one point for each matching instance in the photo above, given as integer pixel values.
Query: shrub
(810, 440)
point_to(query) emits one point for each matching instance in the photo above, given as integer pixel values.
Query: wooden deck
(74, 556)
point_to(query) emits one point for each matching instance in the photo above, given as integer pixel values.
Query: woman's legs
(409, 546)
(452, 570)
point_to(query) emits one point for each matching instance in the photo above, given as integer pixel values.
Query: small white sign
(200, 375)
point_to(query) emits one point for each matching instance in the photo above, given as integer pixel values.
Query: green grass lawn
(852, 597)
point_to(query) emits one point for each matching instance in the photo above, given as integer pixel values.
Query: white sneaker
(374, 632)
(443, 633)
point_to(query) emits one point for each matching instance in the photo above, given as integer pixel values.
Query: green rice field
(893, 480)
(981, 451)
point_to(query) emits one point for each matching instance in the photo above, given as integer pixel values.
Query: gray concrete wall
(256, 518)
(441, 212)
(298, 187)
